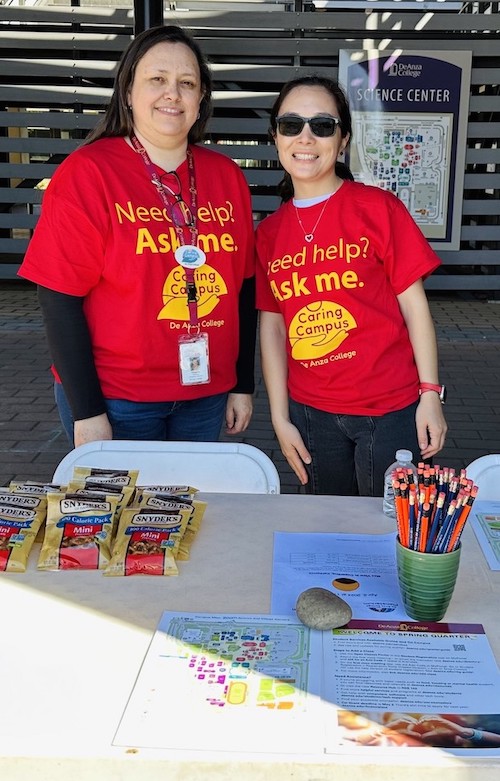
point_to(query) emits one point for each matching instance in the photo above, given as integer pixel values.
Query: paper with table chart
(485, 520)
(359, 568)
(247, 683)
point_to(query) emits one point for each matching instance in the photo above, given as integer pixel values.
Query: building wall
(57, 65)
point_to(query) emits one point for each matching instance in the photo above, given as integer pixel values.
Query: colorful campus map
(408, 154)
(244, 663)
(213, 681)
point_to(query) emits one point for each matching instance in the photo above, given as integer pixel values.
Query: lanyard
(192, 293)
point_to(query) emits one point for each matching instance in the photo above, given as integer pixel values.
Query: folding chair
(485, 471)
(219, 467)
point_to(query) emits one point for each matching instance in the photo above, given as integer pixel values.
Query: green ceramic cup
(426, 581)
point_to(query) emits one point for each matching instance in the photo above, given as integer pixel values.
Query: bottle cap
(404, 455)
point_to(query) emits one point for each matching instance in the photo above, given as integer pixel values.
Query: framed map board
(409, 113)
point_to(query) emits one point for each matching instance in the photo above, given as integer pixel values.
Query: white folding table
(72, 644)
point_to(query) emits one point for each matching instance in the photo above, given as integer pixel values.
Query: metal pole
(147, 13)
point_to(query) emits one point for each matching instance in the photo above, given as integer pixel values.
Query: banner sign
(409, 112)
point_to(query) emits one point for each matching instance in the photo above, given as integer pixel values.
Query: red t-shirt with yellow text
(348, 346)
(103, 234)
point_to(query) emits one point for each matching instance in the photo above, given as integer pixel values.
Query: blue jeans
(199, 420)
(350, 453)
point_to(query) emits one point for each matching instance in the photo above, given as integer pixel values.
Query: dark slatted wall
(57, 65)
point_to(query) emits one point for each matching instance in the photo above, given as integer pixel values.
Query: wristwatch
(477, 735)
(428, 386)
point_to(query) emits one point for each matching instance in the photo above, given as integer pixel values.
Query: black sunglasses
(292, 125)
(181, 213)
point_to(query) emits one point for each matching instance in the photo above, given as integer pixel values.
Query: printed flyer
(212, 682)
(359, 568)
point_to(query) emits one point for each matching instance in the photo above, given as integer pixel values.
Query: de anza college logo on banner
(409, 112)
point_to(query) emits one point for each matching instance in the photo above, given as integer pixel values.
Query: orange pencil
(399, 512)
(412, 500)
(403, 487)
(462, 519)
(458, 529)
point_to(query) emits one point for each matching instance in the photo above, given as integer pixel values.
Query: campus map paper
(215, 682)
(212, 682)
(485, 520)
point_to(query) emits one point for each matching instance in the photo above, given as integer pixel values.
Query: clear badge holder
(194, 366)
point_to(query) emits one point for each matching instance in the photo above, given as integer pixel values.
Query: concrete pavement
(32, 442)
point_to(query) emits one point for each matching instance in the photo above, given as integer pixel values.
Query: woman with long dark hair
(143, 256)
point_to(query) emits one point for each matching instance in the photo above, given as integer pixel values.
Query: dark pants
(350, 453)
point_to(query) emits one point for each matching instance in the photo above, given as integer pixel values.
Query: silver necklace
(310, 236)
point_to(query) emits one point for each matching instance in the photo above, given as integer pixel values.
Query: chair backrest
(224, 467)
(485, 471)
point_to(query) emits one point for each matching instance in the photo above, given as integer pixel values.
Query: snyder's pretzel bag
(19, 524)
(33, 487)
(123, 494)
(78, 532)
(121, 477)
(191, 532)
(147, 542)
(180, 491)
(36, 502)
(173, 504)
(108, 481)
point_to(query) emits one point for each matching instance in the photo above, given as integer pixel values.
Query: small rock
(319, 608)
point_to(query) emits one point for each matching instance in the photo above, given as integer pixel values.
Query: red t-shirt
(348, 346)
(103, 234)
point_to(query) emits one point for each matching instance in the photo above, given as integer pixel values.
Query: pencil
(418, 519)
(436, 547)
(432, 507)
(436, 522)
(404, 510)
(399, 511)
(424, 527)
(455, 537)
(451, 525)
(412, 519)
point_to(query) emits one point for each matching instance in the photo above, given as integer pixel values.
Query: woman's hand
(431, 425)
(436, 730)
(92, 429)
(239, 410)
(293, 448)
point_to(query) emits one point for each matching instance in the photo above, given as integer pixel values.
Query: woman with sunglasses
(348, 345)
(143, 255)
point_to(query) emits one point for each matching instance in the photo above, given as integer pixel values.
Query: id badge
(194, 365)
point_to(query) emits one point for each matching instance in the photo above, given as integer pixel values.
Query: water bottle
(403, 461)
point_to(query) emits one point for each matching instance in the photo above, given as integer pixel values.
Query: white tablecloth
(72, 644)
